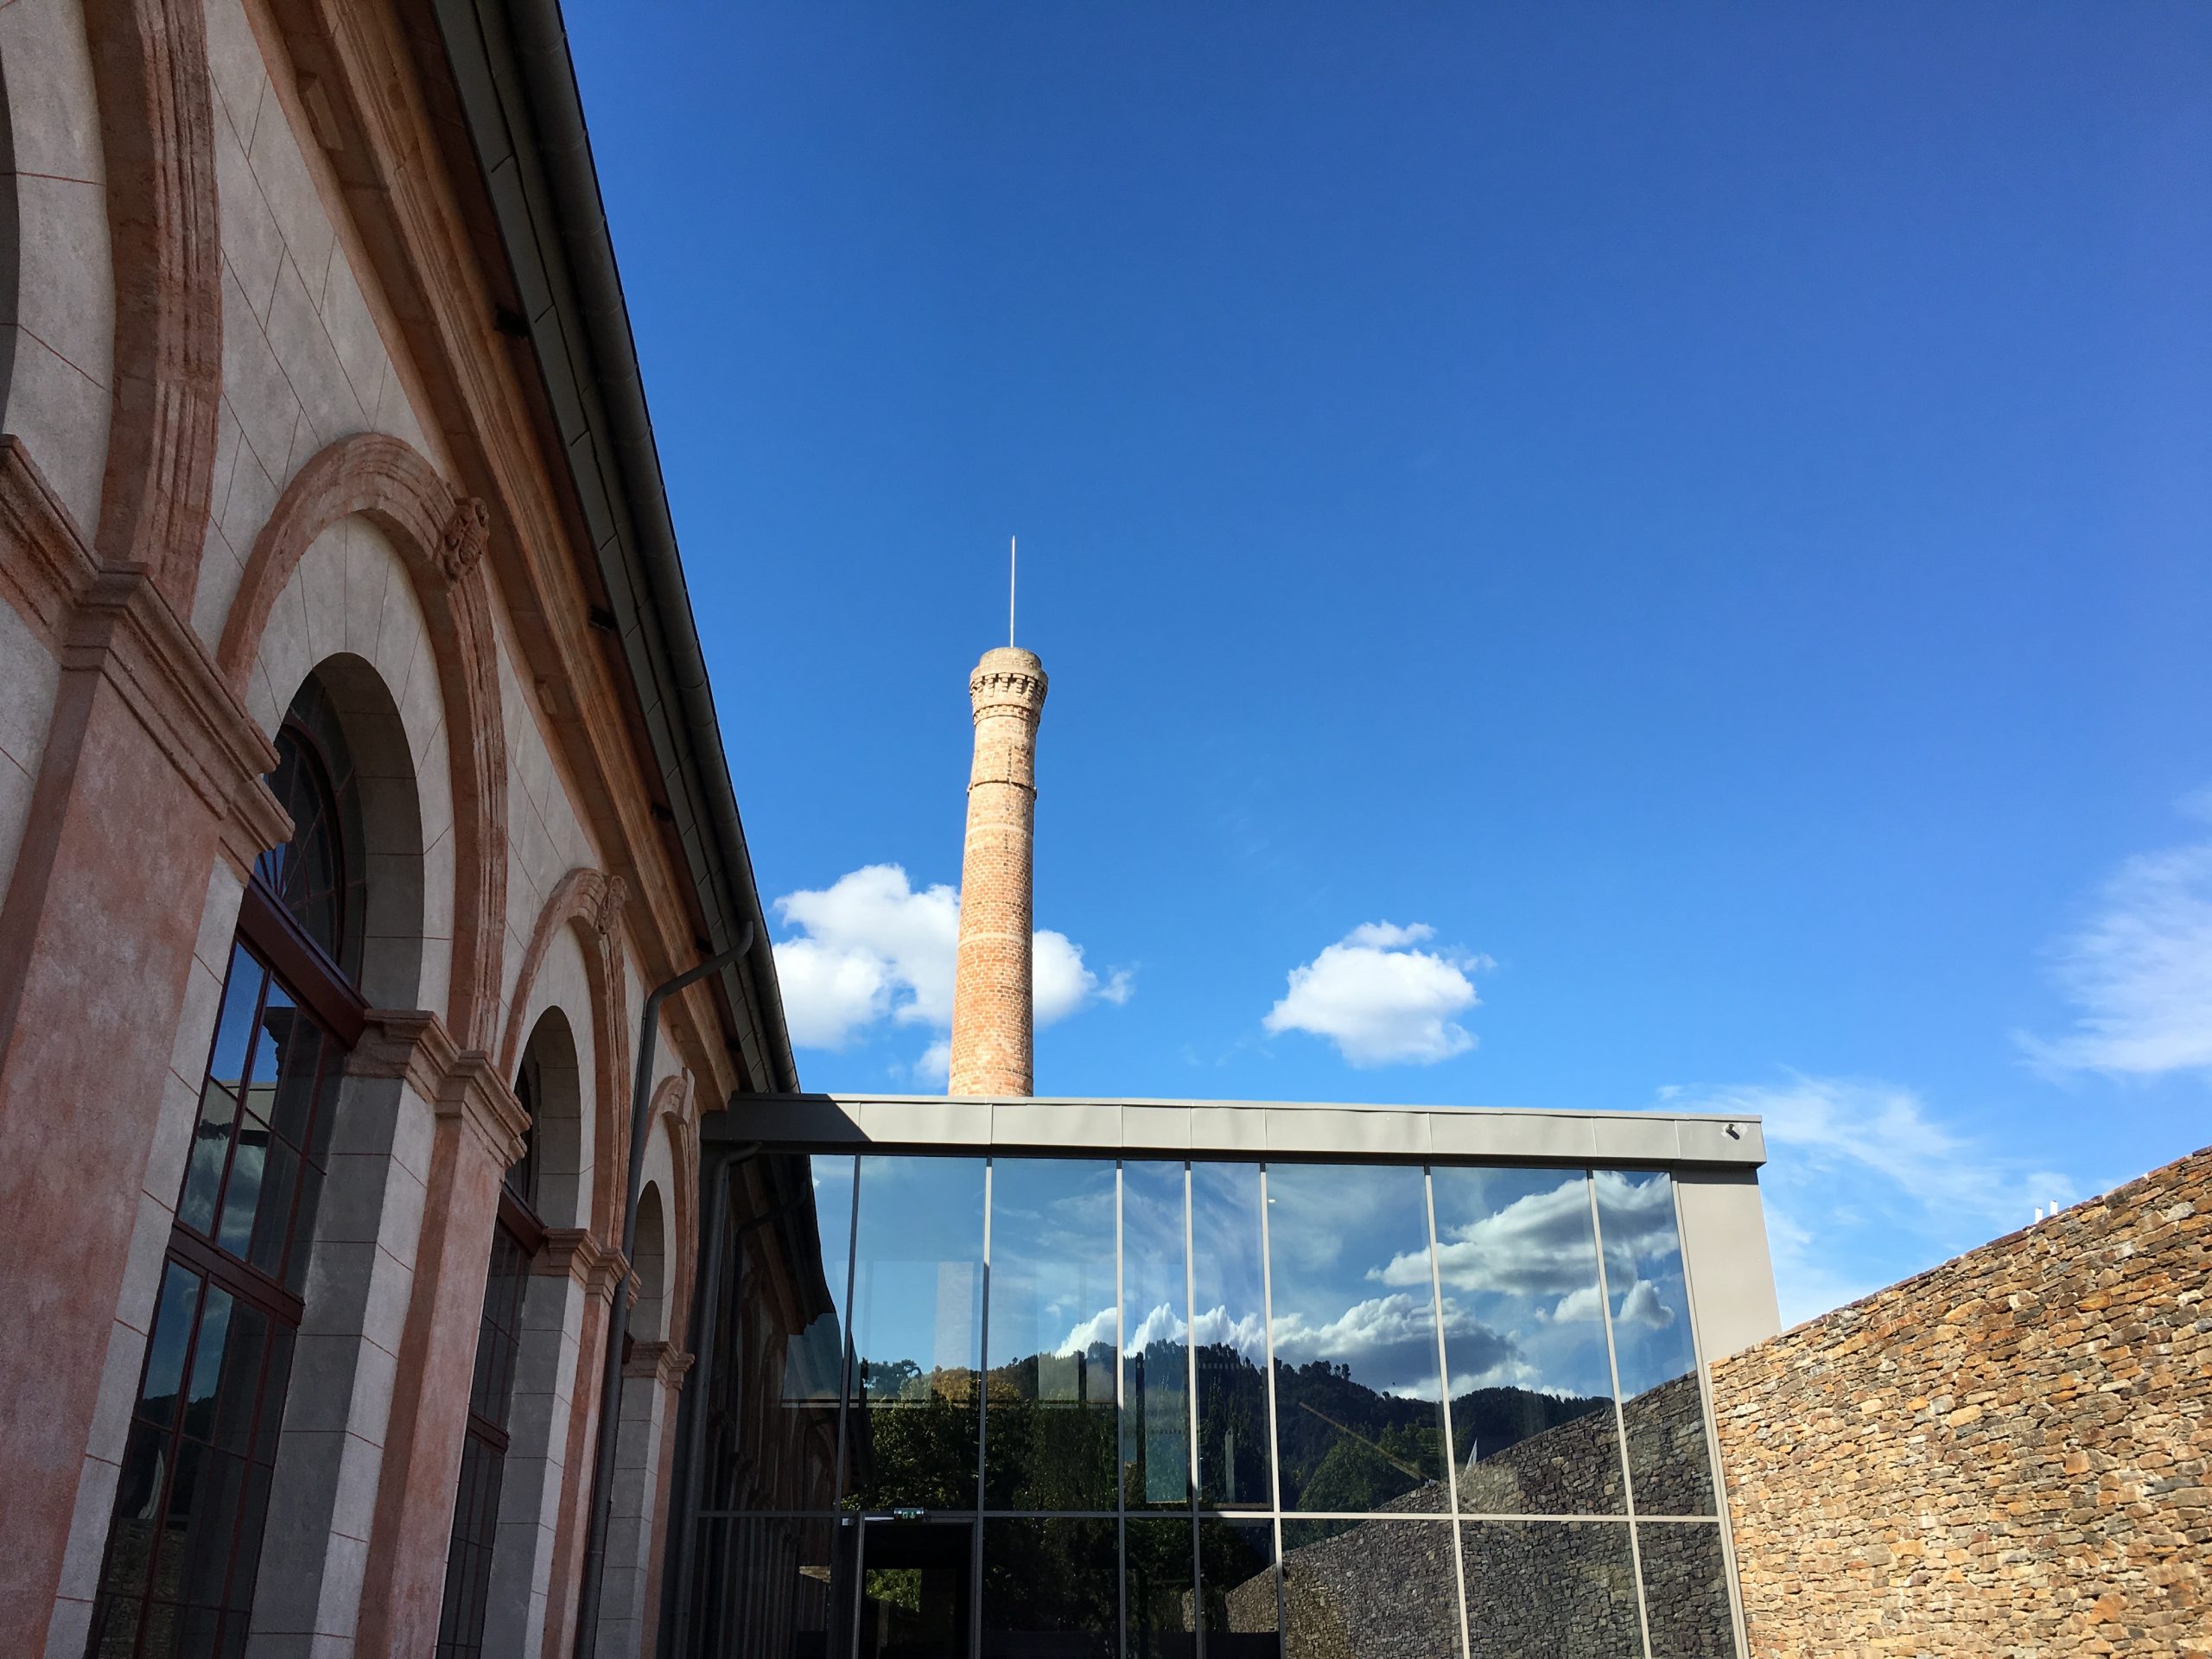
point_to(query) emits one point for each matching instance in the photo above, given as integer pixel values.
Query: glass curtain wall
(1205, 1410)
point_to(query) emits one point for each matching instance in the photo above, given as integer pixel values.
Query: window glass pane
(193, 1571)
(272, 1221)
(1370, 1589)
(299, 1041)
(276, 1377)
(1050, 1588)
(916, 1319)
(791, 1227)
(1156, 1361)
(1686, 1590)
(234, 1025)
(1049, 1436)
(165, 1350)
(1359, 1413)
(242, 1191)
(1536, 1589)
(138, 1494)
(917, 1583)
(300, 1240)
(207, 1362)
(1524, 1333)
(1236, 1576)
(1668, 1460)
(1229, 1326)
(230, 1419)
(1160, 1574)
(211, 1146)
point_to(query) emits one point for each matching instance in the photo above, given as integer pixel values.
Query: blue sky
(1649, 555)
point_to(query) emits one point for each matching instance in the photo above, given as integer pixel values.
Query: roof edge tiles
(1248, 1128)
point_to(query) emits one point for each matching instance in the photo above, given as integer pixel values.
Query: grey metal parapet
(1245, 1128)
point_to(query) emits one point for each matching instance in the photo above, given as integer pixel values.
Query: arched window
(184, 1541)
(516, 1237)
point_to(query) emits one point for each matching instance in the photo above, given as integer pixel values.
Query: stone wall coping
(1246, 1128)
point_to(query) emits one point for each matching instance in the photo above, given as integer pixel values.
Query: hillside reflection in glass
(1150, 1410)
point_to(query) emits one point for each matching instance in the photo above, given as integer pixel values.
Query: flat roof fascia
(1245, 1129)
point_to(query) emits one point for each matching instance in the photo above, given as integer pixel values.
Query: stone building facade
(2008, 1456)
(357, 780)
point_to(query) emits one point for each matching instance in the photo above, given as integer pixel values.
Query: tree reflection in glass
(917, 1332)
(1524, 1335)
(1229, 1327)
(1156, 1352)
(1359, 1413)
(1050, 1588)
(1049, 1442)
(1668, 1459)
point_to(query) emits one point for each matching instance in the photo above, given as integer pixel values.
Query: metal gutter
(516, 87)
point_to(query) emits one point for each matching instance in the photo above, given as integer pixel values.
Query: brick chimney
(992, 1014)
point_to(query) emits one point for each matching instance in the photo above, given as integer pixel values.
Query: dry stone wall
(2004, 1458)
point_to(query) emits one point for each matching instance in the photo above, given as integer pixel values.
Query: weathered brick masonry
(2004, 1457)
(992, 1010)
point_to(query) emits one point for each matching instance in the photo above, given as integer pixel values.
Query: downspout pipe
(610, 1379)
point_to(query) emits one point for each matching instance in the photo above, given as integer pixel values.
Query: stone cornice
(611, 1269)
(414, 1045)
(663, 1361)
(117, 623)
(567, 1252)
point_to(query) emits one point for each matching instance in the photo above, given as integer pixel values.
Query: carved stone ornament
(467, 531)
(606, 913)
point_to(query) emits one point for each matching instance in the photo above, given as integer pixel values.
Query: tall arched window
(516, 1237)
(184, 1541)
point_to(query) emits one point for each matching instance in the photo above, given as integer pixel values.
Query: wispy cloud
(874, 950)
(1380, 999)
(1865, 1185)
(2138, 971)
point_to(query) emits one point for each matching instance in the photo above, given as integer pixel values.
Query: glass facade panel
(1369, 1589)
(1156, 1349)
(1161, 1574)
(1533, 1427)
(1549, 1589)
(1668, 1459)
(918, 1288)
(1230, 1326)
(1686, 1590)
(774, 1587)
(1051, 1587)
(1054, 1333)
(1359, 1413)
(1091, 1538)
(1236, 1581)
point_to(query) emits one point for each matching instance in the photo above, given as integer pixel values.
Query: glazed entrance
(917, 1589)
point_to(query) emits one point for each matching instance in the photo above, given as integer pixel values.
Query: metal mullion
(1620, 1414)
(1712, 1426)
(1274, 1447)
(1450, 1445)
(252, 1438)
(848, 1361)
(1121, 1426)
(1190, 1417)
(982, 1432)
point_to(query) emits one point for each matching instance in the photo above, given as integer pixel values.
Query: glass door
(917, 1590)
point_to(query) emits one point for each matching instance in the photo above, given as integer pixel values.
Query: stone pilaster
(993, 1016)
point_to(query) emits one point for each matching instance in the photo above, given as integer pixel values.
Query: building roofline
(516, 87)
(1250, 1128)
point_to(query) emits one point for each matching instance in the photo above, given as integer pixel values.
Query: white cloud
(1641, 1306)
(1380, 999)
(1864, 1186)
(872, 948)
(2138, 971)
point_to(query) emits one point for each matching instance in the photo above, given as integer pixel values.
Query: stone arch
(589, 903)
(673, 1117)
(157, 131)
(441, 536)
